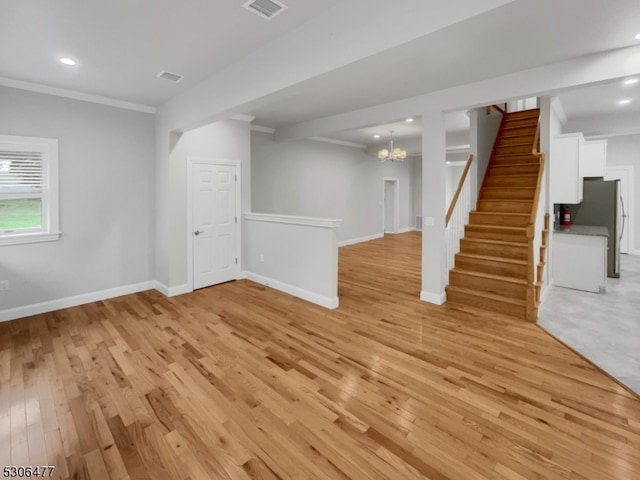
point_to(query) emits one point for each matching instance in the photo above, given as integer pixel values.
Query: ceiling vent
(172, 77)
(265, 8)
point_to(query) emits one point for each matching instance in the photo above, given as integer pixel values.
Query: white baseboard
(435, 298)
(405, 230)
(74, 301)
(161, 287)
(353, 241)
(312, 297)
(545, 291)
(172, 291)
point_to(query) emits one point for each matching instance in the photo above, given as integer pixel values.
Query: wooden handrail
(454, 200)
(536, 198)
(536, 140)
(503, 111)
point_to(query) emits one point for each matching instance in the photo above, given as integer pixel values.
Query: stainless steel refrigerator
(602, 206)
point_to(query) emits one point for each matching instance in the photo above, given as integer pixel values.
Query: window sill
(19, 239)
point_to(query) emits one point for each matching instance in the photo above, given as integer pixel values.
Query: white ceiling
(601, 99)
(122, 44)
(595, 100)
(454, 122)
(520, 35)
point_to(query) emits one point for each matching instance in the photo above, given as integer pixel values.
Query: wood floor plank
(239, 381)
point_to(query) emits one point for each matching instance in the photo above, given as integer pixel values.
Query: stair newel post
(531, 278)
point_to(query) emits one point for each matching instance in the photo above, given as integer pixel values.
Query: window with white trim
(28, 189)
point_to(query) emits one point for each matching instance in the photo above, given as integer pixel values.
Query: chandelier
(393, 154)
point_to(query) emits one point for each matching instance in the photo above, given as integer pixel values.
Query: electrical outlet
(4, 285)
(262, 257)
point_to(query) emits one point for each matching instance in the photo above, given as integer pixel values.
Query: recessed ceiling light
(68, 61)
(409, 120)
(376, 136)
(631, 81)
(638, 36)
(626, 101)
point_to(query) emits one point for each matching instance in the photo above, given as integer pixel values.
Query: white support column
(434, 259)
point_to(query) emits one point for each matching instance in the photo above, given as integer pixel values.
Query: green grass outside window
(21, 213)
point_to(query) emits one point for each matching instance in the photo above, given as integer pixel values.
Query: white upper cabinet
(565, 169)
(594, 158)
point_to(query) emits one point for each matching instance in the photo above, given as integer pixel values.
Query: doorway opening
(390, 205)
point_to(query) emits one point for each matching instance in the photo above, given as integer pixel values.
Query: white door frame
(396, 205)
(191, 161)
(610, 174)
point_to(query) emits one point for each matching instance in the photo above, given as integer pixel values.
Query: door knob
(197, 232)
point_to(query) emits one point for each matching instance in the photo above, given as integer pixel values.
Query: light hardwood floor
(239, 381)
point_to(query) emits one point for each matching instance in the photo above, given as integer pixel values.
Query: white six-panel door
(214, 224)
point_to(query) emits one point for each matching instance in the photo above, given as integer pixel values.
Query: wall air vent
(265, 8)
(172, 77)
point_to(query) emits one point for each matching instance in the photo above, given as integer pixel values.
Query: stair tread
(501, 227)
(517, 154)
(526, 144)
(490, 276)
(502, 188)
(533, 118)
(532, 113)
(491, 296)
(521, 122)
(508, 214)
(528, 175)
(492, 258)
(495, 242)
(533, 164)
(513, 128)
(527, 135)
(518, 201)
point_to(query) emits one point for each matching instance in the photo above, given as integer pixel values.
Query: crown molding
(464, 148)
(260, 128)
(85, 97)
(244, 118)
(338, 142)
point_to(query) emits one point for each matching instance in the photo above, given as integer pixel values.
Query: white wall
(416, 186)
(225, 140)
(484, 129)
(106, 178)
(625, 150)
(296, 255)
(316, 179)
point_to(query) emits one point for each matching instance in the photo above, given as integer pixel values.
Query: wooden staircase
(494, 269)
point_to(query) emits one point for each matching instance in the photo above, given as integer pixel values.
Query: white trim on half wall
(323, 301)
